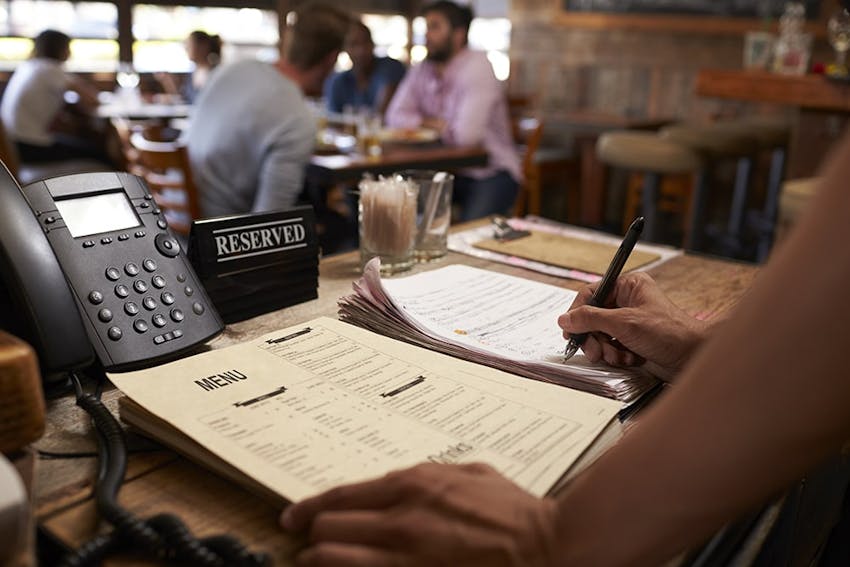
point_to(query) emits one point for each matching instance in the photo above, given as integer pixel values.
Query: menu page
(326, 403)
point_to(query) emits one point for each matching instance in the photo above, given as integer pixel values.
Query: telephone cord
(165, 534)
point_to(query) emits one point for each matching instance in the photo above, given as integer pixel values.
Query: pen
(600, 296)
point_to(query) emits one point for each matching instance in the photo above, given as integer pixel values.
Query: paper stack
(485, 317)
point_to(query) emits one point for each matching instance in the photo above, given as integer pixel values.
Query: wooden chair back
(165, 168)
(528, 133)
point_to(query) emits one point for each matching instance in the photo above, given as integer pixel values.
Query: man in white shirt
(34, 98)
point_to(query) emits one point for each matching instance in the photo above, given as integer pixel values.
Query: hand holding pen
(601, 294)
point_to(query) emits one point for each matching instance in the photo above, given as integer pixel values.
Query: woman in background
(204, 51)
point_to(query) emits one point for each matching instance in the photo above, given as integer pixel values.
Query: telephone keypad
(149, 265)
(122, 291)
(158, 281)
(105, 315)
(96, 297)
(159, 320)
(149, 303)
(167, 297)
(114, 333)
(131, 308)
(113, 273)
(140, 286)
(131, 269)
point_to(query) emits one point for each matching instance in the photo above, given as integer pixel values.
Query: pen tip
(571, 349)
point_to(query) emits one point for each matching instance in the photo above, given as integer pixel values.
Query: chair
(165, 168)
(528, 132)
(656, 159)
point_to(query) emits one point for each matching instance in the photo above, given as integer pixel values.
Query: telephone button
(106, 240)
(149, 265)
(177, 315)
(188, 291)
(169, 336)
(181, 277)
(88, 243)
(95, 297)
(159, 339)
(140, 326)
(140, 286)
(131, 308)
(158, 281)
(144, 205)
(114, 333)
(113, 273)
(139, 234)
(167, 297)
(123, 237)
(149, 303)
(131, 269)
(159, 320)
(122, 291)
(178, 333)
(162, 224)
(166, 245)
(198, 308)
(148, 197)
(156, 211)
(105, 315)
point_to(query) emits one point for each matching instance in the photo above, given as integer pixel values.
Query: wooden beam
(125, 30)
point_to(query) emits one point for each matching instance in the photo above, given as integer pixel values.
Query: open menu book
(307, 408)
(485, 317)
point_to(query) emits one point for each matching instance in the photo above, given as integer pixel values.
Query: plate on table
(409, 135)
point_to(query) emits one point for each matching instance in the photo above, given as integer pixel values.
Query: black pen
(600, 296)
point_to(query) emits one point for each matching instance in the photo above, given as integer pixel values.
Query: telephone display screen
(99, 213)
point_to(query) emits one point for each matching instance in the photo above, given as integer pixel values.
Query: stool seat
(767, 132)
(645, 151)
(712, 140)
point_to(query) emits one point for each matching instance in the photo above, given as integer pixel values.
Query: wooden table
(159, 480)
(588, 126)
(337, 168)
(823, 108)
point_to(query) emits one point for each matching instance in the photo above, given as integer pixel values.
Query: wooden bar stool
(654, 157)
(715, 142)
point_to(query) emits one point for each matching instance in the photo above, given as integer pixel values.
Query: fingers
(335, 554)
(369, 495)
(588, 319)
(354, 527)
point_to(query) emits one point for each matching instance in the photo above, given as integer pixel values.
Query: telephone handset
(90, 269)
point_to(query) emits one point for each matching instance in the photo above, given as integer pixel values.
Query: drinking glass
(839, 38)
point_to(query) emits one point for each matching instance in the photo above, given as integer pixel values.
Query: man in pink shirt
(455, 92)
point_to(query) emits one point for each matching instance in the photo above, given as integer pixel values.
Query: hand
(434, 123)
(428, 515)
(649, 329)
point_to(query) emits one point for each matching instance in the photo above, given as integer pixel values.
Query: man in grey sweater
(252, 132)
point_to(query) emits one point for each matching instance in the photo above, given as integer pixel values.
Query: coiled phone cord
(164, 534)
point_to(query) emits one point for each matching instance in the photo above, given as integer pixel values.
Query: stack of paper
(485, 317)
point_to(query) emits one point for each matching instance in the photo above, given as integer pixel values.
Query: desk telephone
(90, 268)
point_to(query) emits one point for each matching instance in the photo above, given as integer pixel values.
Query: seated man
(34, 99)
(371, 81)
(455, 92)
(252, 133)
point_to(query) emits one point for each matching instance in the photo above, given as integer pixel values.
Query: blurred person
(33, 105)
(252, 132)
(455, 92)
(204, 51)
(761, 401)
(371, 81)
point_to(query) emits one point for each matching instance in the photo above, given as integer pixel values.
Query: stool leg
(693, 240)
(739, 205)
(650, 205)
(771, 203)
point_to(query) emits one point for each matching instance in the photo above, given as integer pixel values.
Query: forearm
(760, 404)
